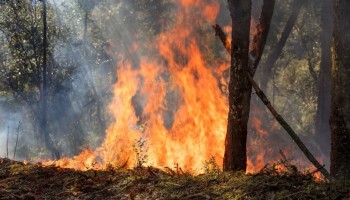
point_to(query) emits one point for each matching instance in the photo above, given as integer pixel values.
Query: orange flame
(198, 130)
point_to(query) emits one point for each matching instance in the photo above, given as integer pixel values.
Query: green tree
(29, 69)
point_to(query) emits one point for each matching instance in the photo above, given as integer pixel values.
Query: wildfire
(183, 113)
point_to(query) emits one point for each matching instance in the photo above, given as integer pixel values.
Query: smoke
(11, 127)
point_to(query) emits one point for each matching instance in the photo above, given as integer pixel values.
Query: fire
(175, 82)
(183, 113)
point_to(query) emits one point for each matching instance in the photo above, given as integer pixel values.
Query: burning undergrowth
(33, 181)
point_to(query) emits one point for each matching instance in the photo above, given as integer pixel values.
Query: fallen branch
(280, 119)
(288, 128)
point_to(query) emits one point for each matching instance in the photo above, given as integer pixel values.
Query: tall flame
(179, 67)
(198, 129)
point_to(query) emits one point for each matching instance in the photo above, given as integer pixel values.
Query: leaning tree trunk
(235, 158)
(340, 110)
(272, 58)
(322, 131)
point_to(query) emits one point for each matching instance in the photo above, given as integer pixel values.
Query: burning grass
(34, 181)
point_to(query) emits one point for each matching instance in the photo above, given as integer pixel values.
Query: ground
(34, 181)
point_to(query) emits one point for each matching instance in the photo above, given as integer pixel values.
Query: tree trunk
(267, 66)
(322, 131)
(90, 81)
(235, 158)
(340, 110)
(43, 93)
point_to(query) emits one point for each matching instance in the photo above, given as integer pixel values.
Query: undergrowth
(33, 181)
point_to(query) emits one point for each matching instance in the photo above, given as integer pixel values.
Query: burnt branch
(263, 29)
(222, 36)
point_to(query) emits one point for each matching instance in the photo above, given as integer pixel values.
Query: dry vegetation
(33, 181)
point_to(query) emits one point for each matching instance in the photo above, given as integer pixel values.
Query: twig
(7, 142)
(18, 128)
(173, 173)
(125, 164)
(283, 123)
(284, 157)
(152, 173)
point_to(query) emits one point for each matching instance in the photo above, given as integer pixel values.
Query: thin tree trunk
(340, 110)
(99, 106)
(18, 129)
(7, 142)
(322, 130)
(43, 93)
(267, 66)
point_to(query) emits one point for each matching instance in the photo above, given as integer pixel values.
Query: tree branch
(263, 29)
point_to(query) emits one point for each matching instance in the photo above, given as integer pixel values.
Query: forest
(174, 99)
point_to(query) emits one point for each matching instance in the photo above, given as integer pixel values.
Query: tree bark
(340, 110)
(267, 66)
(322, 130)
(235, 158)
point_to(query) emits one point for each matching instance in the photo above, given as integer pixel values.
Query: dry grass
(33, 181)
